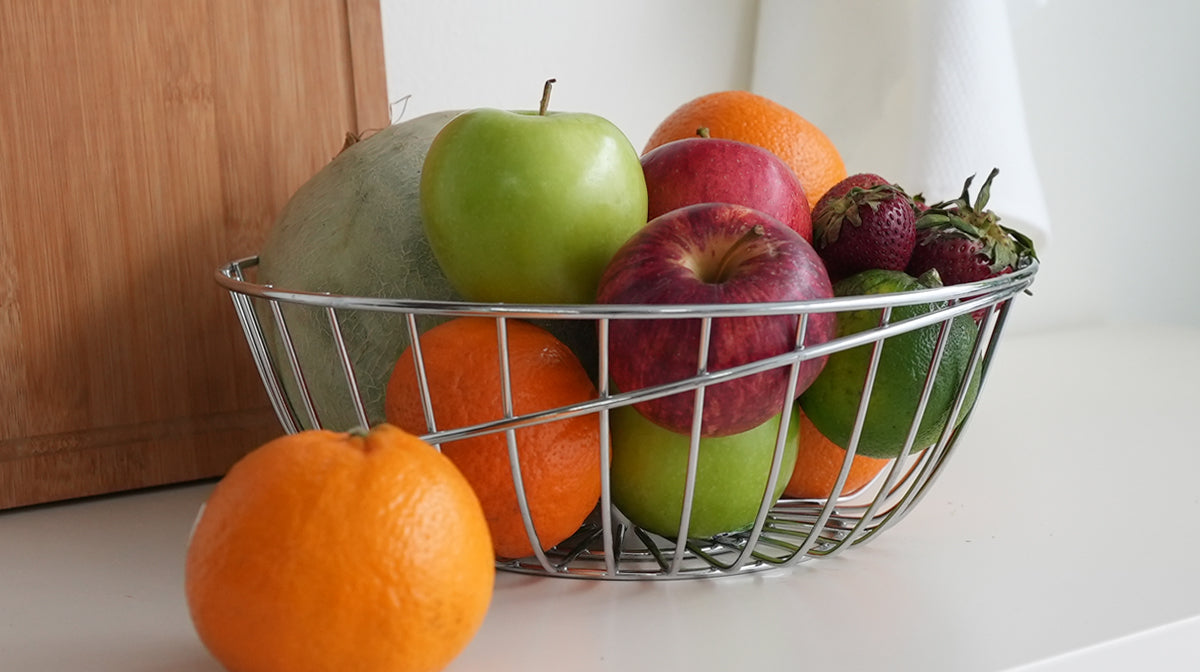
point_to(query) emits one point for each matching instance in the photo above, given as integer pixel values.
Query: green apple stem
(732, 255)
(546, 96)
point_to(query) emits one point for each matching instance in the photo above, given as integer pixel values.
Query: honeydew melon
(354, 228)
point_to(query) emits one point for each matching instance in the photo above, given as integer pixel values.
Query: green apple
(529, 206)
(649, 469)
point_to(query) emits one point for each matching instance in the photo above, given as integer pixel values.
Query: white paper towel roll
(922, 92)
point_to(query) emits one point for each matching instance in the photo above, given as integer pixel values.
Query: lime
(831, 402)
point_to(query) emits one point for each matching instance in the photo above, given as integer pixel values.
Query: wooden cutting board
(142, 145)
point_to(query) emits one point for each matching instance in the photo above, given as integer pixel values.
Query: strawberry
(965, 242)
(919, 205)
(864, 222)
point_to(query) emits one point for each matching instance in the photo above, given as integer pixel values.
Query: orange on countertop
(330, 551)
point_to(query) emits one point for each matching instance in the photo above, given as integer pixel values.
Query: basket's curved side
(609, 546)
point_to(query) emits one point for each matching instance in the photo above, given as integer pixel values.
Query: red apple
(716, 170)
(713, 253)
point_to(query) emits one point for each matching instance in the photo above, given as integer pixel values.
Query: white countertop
(1063, 535)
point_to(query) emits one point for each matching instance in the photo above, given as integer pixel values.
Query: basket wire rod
(939, 352)
(950, 432)
(580, 549)
(606, 522)
(925, 462)
(922, 473)
(881, 332)
(339, 344)
(616, 534)
(791, 523)
(689, 486)
(931, 465)
(1003, 308)
(289, 349)
(839, 483)
(706, 378)
(712, 559)
(510, 436)
(787, 521)
(858, 523)
(979, 360)
(267, 370)
(981, 351)
(414, 339)
(850, 507)
(620, 399)
(1009, 282)
(655, 551)
(925, 469)
(787, 407)
(827, 510)
(252, 328)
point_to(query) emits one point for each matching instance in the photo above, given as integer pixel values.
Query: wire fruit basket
(608, 545)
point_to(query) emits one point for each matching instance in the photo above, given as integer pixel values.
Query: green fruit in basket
(831, 402)
(528, 207)
(649, 467)
(354, 228)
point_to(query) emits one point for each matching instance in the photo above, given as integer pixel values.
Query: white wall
(1111, 90)
(630, 61)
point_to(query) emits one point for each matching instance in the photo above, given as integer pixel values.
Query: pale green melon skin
(354, 228)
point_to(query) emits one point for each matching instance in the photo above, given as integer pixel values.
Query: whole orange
(327, 551)
(757, 120)
(818, 462)
(559, 460)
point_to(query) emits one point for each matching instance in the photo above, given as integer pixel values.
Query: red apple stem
(752, 234)
(546, 96)
(703, 132)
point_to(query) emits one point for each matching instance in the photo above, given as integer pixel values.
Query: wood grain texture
(142, 145)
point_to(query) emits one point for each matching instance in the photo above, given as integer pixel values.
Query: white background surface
(1111, 93)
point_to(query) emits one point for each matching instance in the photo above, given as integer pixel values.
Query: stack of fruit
(735, 200)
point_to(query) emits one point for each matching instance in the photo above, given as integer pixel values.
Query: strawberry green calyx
(827, 225)
(1003, 248)
(1024, 244)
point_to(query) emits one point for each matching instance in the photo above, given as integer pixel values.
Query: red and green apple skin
(714, 253)
(523, 207)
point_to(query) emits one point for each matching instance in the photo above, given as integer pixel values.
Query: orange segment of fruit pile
(560, 460)
(819, 461)
(321, 550)
(757, 120)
